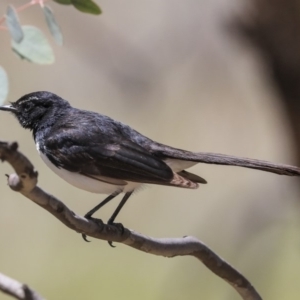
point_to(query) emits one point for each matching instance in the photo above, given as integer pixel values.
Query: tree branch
(17, 290)
(25, 182)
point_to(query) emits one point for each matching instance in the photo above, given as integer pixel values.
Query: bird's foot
(119, 226)
(97, 221)
(84, 237)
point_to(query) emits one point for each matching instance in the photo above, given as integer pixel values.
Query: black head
(32, 108)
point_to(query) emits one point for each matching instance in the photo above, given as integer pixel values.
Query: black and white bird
(98, 154)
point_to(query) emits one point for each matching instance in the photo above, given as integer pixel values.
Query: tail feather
(180, 181)
(192, 177)
(222, 159)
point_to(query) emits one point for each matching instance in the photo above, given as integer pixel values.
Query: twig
(22, 8)
(25, 180)
(17, 290)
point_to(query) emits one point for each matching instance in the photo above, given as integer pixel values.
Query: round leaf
(87, 6)
(34, 46)
(3, 85)
(13, 24)
(52, 25)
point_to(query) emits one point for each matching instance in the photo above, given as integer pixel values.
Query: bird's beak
(8, 108)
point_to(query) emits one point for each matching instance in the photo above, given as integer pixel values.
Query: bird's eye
(47, 105)
(26, 106)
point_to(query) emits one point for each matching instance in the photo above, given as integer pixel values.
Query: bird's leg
(89, 214)
(118, 209)
(116, 212)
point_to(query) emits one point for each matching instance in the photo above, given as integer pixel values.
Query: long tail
(222, 159)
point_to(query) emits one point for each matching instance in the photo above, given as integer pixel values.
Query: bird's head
(32, 108)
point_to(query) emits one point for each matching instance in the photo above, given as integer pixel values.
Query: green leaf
(52, 25)
(64, 2)
(34, 46)
(87, 6)
(13, 24)
(3, 85)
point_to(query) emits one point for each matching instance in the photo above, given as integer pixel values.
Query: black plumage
(92, 148)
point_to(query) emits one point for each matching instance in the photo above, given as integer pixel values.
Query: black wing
(98, 155)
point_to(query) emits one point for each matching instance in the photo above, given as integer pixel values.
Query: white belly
(88, 184)
(95, 186)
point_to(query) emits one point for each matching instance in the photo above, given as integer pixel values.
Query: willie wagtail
(98, 154)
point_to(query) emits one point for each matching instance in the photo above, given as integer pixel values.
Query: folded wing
(106, 159)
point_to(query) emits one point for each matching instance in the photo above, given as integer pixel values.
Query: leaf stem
(25, 6)
(22, 8)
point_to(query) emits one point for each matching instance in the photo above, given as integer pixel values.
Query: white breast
(85, 183)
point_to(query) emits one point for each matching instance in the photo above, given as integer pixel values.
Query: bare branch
(25, 180)
(17, 290)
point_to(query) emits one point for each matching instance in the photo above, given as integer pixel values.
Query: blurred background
(199, 75)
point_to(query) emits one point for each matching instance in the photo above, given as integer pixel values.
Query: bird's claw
(119, 226)
(97, 221)
(110, 243)
(85, 238)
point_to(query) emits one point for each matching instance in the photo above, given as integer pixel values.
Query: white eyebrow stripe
(29, 99)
